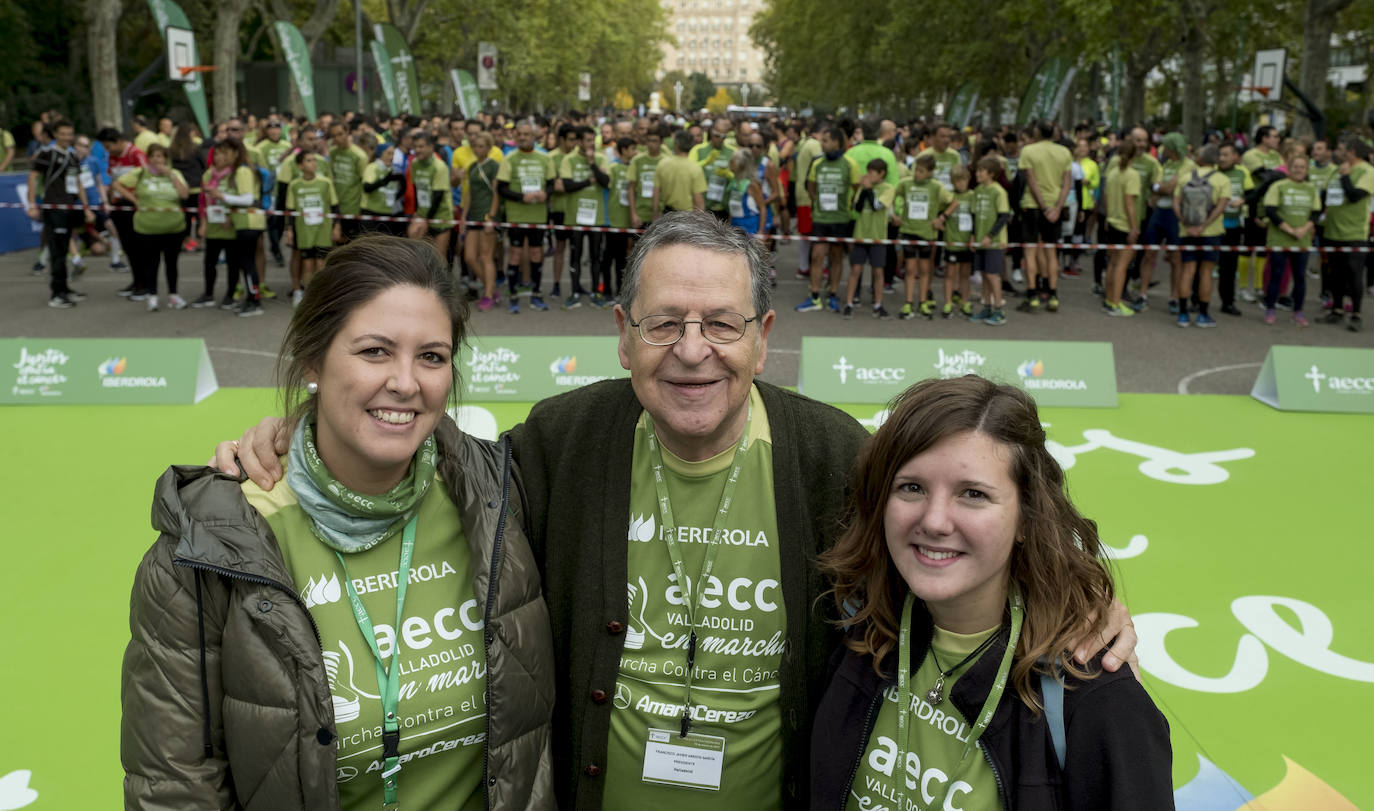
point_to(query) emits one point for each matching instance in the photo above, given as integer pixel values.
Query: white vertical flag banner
(584, 87)
(486, 66)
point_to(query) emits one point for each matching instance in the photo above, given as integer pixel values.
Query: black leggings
(613, 250)
(213, 249)
(1346, 274)
(575, 258)
(151, 250)
(1226, 268)
(243, 256)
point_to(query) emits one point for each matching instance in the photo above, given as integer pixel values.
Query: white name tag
(624, 194)
(87, 179)
(965, 221)
(917, 209)
(646, 188)
(715, 188)
(216, 215)
(72, 180)
(695, 761)
(830, 201)
(530, 185)
(586, 212)
(314, 215)
(1335, 195)
(736, 207)
(423, 199)
(389, 194)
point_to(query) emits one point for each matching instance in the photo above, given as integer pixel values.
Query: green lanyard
(904, 696)
(388, 680)
(693, 596)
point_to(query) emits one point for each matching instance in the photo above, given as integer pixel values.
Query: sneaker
(125, 291)
(61, 302)
(38, 269)
(1284, 303)
(1124, 310)
(833, 303)
(524, 290)
(1017, 277)
(485, 304)
(927, 309)
(1173, 306)
(238, 290)
(966, 309)
(803, 274)
(537, 303)
(848, 312)
(296, 296)
(1109, 309)
(1099, 290)
(249, 309)
(78, 266)
(1028, 305)
(118, 266)
(982, 315)
(1270, 316)
(152, 303)
(1072, 272)
(1246, 294)
(557, 292)
(571, 302)
(138, 295)
(1333, 317)
(1141, 304)
(906, 313)
(887, 288)
(881, 313)
(514, 308)
(191, 246)
(176, 302)
(947, 311)
(997, 319)
(1300, 319)
(227, 303)
(203, 301)
(1230, 309)
(1354, 324)
(1052, 304)
(1183, 320)
(957, 299)
(265, 292)
(810, 304)
(1204, 321)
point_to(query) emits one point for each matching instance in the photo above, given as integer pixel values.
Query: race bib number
(1335, 195)
(736, 207)
(530, 185)
(216, 215)
(72, 180)
(423, 198)
(624, 194)
(389, 194)
(830, 201)
(646, 188)
(965, 221)
(715, 188)
(917, 208)
(87, 179)
(943, 177)
(586, 212)
(314, 214)
(1165, 202)
(696, 761)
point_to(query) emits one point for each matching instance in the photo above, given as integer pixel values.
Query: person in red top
(124, 157)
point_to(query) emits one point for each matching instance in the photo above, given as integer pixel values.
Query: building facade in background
(713, 38)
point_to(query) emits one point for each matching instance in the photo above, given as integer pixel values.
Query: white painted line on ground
(1185, 382)
(234, 351)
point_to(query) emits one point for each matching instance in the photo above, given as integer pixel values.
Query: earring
(312, 387)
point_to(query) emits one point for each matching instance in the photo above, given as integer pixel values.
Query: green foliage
(700, 88)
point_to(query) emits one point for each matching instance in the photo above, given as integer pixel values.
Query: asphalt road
(1152, 353)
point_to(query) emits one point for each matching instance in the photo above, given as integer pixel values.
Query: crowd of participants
(881, 210)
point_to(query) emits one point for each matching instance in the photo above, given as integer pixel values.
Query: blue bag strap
(1052, 693)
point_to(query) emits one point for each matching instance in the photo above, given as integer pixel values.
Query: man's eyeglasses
(756, 146)
(666, 330)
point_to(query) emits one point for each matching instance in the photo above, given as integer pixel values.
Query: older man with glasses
(675, 515)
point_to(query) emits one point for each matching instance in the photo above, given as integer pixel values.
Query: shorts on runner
(958, 257)
(918, 251)
(1037, 227)
(1201, 249)
(872, 255)
(1162, 228)
(988, 261)
(1115, 236)
(833, 230)
(524, 235)
(1255, 235)
(314, 253)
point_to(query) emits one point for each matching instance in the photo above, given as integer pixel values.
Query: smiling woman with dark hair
(373, 630)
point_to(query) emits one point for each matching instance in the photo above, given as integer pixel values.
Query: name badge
(736, 207)
(314, 215)
(695, 761)
(422, 199)
(215, 215)
(715, 188)
(646, 188)
(389, 194)
(87, 179)
(1335, 195)
(624, 194)
(965, 221)
(586, 212)
(72, 181)
(1165, 202)
(530, 185)
(917, 209)
(830, 201)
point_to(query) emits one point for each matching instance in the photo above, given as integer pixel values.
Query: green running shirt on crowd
(938, 735)
(159, 205)
(1151, 172)
(311, 200)
(618, 198)
(1092, 178)
(1117, 186)
(1048, 161)
(989, 201)
(864, 152)
(584, 206)
(1256, 159)
(479, 187)
(384, 199)
(1241, 182)
(558, 201)
(1349, 221)
(1295, 202)
(288, 170)
(223, 222)
(679, 178)
(431, 181)
(959, 227)
(1321, 175)
(715, 163)
(741, 635)
(441, 657)
(1171, 170)
(919, 203)
(871, 222)
(944, 164)
(643, 170)
(527, 172)
(835, 182)
(269, 153)
(808, 153)
(346, 169)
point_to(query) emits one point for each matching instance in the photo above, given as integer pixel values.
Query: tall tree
(102, 47)
(224, 81)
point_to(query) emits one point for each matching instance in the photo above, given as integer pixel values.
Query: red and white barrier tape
(599, 229)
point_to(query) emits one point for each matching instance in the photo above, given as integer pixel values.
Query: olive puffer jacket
(225, 696)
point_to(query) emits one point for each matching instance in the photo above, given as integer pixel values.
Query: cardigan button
(614, 627)
(324, 736)
(592, 770)
(599, 696)
(265, 606)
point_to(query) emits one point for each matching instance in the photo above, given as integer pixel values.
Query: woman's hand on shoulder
(1119, 633)
(257, 450)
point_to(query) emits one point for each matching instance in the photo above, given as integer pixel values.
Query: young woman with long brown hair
(962, 573)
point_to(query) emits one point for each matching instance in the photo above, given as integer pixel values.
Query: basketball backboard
(1267, 73)
(181, 53)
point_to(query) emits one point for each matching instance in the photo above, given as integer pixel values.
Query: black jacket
(574, 452)
(1117, 753)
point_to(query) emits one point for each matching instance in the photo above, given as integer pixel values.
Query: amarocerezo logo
(111, 373)
(1336, 383)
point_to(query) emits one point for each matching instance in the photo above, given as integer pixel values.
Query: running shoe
(138, 295)
(1246, 294)
(848, 312)
(927, 309)
(1333, 317)
(1270, 316)
(152, 303)
(982, 315)
(485, 304)
(1230, 309)
(1072, 272)
(514, 308)
(1285, 303)
(947, 311)
(906, 313)
(810, 304)
(1052, 304)
(205, 300)
(118, 266)
(176, 302)
(967, 309)
(833, 303)
(537, 303)
(249, 309)
(78, 267)
(997, 319)
(1183, 320)
(881, 313)
(296, 296)
(61, 302)
(1141, 303)
(572, 302)
(1300, 319)
(524, 290)
(1204, 321)
(1354, 324)
(1173, 306)
(228, 303)
(265, 292)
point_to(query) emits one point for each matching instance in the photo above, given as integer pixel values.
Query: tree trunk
(224, 84)
(102, 21)
(406, 16)
(1319, 23)
(1133, 94)
(1194, 94)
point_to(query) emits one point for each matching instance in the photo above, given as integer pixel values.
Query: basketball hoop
(189, 69)
(1260, 91)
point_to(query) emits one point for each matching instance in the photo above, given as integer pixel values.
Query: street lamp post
(677, 96)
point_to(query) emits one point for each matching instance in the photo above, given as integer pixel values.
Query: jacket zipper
(996, 775)
(491, 595)
(252, 578)
(869, 722)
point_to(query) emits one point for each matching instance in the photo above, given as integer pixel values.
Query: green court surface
(1243, 535)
